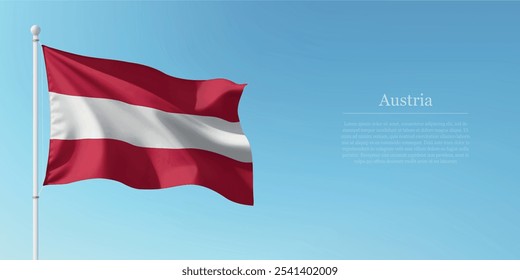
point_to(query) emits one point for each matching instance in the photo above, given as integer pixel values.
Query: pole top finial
(35, 30)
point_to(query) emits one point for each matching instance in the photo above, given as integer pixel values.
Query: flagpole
(35, 30)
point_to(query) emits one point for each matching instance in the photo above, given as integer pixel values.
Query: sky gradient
(305, 63)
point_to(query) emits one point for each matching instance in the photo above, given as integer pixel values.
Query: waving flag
(136, 125)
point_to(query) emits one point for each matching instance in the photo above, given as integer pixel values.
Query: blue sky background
(306, 63)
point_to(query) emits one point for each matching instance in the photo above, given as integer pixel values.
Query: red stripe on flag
(137, 84)
(148, 168)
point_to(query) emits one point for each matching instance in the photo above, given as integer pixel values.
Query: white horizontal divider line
(390, 113)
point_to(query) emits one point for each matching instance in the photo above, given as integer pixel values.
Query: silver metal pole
(35, 30)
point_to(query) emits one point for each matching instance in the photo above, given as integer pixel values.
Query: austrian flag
(134, 124)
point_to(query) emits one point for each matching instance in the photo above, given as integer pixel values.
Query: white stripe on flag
(76, 117)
